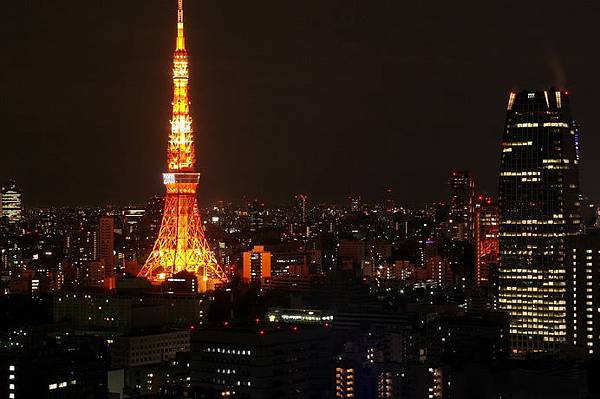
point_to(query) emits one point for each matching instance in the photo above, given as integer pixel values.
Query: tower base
(181, 244)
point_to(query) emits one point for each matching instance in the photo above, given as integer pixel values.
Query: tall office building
(462, 203)
(107, 245)
(11, 202)
(539, 208)
(485, 222)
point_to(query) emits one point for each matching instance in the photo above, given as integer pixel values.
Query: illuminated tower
(538, 200)
(181, 244)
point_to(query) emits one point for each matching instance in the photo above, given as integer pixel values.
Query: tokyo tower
(181, 244)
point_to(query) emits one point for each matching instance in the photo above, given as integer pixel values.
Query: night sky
(330, 98)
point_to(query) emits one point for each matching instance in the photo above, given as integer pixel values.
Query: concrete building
(262, 362)
(256, 264)
(127, 312)
(145, 349)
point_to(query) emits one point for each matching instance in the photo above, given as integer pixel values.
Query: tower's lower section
(181, 245)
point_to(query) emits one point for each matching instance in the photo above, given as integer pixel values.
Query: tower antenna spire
(180, 33)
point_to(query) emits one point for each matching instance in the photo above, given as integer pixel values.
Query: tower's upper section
(538, 190)
(180, 152)
(544, 102)
(180, 34)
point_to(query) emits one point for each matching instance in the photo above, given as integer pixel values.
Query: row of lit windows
(541, 326)
(537, 316)
(516, 143)
(556, 274)
(229, 351)
(517, 330)
(545, 124)
(509, 276)
(63, 384)
(524, 312)
(526, 234)
(547, 160)
(532, 304)
(527, 173)
(526, 292)
(539, 309)
(533, 221)
(564, 167)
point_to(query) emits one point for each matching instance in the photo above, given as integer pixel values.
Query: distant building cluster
(352, 300)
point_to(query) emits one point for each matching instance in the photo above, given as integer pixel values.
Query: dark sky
(327, 97)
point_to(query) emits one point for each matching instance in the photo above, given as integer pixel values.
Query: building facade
(106, 235)
(11, 202)
(256, 264)
(145, 349)
(462, 205)
(261, 362)
(485, 239)
(538, 208)
(582, 258)
(125, 313)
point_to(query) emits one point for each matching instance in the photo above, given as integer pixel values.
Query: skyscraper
(462, 202)
(539, 208)
(181, 244)
(485, 222)
(107, 245)
(11, 202)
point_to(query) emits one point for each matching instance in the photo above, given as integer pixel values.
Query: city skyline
(303, 244)
(305, 114)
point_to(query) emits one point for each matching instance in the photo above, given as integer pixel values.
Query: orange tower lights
(181, 244)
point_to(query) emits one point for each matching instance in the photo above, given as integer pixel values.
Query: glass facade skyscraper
(538, 200)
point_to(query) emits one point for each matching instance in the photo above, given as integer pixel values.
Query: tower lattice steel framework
(181, 244)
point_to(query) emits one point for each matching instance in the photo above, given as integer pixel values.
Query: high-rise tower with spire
(539, 211)
(181, 245)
